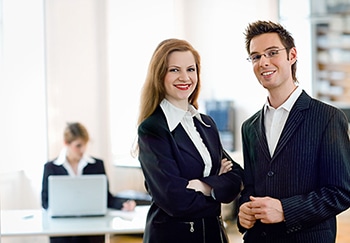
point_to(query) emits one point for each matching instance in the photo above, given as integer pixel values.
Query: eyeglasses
(268, 54)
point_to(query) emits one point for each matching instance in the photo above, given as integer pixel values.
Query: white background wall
(23, 122)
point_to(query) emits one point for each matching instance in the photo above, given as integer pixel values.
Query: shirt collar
(62, 158)
(288, 104)
(175, 115)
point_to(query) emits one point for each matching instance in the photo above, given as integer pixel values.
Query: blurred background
(86, 60)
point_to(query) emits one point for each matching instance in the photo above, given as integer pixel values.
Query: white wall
(23, 140)
(77, 82)
(23, 124)
(295, 15)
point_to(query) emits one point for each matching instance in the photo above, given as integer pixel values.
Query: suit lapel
(294, 120)
(185, 143)
(261, 135)
(180, 137)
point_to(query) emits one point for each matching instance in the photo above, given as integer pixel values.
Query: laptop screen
(77, 196)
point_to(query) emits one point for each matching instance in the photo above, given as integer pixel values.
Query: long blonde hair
(153, 91)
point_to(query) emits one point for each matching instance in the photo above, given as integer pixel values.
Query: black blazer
(309, 172)
(97, 168)
(169, 160)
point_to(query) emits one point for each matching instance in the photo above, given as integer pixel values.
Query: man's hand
(268, 210)
(246, 216)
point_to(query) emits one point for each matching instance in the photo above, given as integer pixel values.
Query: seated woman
(72, 161)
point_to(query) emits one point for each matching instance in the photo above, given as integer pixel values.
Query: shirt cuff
(212, 193)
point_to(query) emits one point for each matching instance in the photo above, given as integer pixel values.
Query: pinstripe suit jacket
(309, 172)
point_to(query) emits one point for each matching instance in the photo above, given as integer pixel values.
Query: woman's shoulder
(51, 168)
(155, 120)
(97, 160)
(50, 163)
(207, 118)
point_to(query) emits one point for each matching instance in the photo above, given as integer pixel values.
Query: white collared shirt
(174, 116)
(84, 161)
(275, 119)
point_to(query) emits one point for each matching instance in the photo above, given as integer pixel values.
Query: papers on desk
(130, 220)
(140, 212)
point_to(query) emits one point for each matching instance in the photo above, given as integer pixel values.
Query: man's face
(271, 62)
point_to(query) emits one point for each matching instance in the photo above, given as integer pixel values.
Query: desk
(39, 223)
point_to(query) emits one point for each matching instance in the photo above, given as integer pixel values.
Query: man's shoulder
(323, 107)
(253, 118)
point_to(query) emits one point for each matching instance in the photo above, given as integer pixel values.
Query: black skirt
(208, 230)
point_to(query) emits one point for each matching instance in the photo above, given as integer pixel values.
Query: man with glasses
(296, 151)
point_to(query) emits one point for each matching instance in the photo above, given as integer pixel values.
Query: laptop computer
(79, 196)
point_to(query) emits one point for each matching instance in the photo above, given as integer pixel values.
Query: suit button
(263, 234)
(270, 173)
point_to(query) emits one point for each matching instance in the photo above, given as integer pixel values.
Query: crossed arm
(197, 185)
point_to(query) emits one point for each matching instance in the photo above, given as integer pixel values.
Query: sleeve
(248, 179)
(44, 188)
(333, 195)
(227, 186)
(116, 202)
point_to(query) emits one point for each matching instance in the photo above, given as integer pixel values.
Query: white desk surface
(39, 223)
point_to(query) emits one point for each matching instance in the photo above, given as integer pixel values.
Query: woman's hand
(197, 185)
(129, 205)
(200, 186)
(226, 166)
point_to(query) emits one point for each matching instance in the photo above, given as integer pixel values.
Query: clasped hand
(266, 209)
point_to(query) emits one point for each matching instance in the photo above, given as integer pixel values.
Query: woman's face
(181, 78)
(76, 149)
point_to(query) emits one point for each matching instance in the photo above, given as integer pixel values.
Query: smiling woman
(181, 78)
(180, 152)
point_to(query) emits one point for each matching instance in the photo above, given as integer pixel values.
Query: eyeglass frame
(266, 54)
